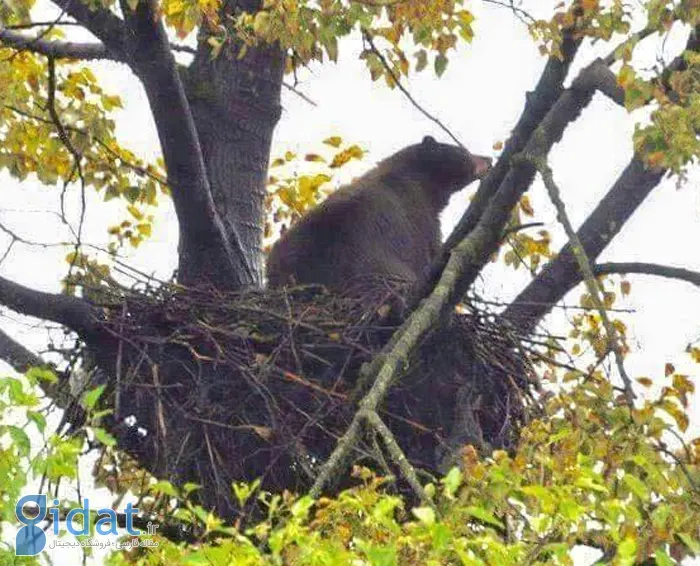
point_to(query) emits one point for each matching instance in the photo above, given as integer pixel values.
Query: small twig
(118, 367)
(77, 157)
(300, 94)
(31, 25)
(522, 15)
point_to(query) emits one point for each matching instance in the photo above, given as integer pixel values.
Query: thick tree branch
(75, 313)
(56, 49)
(103, 24)
(692, 277)
(59, 391)
(631, 188)
(537, 104)
(519, 178)
(200, 225)
(17, 355)
(605, 222)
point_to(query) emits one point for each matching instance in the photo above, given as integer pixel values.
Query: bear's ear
(429, 141)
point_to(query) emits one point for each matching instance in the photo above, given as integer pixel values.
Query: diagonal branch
(466, 259)
(595, 77)
(86, 51)
(59, 390)
(692, 277)
(201, 230)
(537, 104)
(73, 312)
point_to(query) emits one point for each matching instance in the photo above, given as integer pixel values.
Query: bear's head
(442, 168)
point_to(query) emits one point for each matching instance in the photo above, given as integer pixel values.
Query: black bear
(383, 225)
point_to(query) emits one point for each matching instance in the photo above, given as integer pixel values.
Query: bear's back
(364, 230)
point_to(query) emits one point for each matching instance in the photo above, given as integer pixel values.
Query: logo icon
(30, 539)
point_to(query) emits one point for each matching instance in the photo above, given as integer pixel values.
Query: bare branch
(86, 51)
(656, 269)
(561, 275)
(300, 94)
(537, 105)
(489, 228)
(522, 15)
(75, 313)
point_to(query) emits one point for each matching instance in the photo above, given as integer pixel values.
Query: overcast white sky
(480, 97)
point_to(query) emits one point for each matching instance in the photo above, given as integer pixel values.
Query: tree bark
(236, 106)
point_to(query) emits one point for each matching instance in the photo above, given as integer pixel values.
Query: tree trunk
(236, 105)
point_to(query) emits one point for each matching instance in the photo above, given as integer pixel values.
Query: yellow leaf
(135, 212)
(526, 206)
(694, 354)
(343, 157)
(333, 141)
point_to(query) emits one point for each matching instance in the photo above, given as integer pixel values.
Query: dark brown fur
(383, 225)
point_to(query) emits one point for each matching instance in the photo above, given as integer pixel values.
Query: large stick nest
(217, 387)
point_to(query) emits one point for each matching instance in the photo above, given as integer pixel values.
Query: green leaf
(91, 397)
(380, 555)
(38, 419)
(484, 516)
(104, 437)
(440, 64)
(425, 515)
(636, 486)
(452, 481)
(37, 374)
(421, 60)
(663, 559)
(626, 552)
(300, 509)
(164, 487)
(20, 439)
